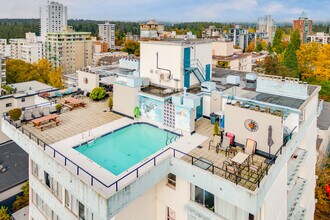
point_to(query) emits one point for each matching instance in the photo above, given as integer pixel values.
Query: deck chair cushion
(250, 146)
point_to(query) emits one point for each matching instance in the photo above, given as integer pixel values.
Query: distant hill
(16, 28)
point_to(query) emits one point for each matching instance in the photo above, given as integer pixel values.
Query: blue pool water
(126, 147)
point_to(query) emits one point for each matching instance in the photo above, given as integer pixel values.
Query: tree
(307, 56)
(272, 66)
(290, 60)
(322, 63)
(295, 39)
(4, 213)
(132, 47)
(22, 201)
(42, 71)
(277, 42)
(252, 30)
(259, 47)
(250, 47)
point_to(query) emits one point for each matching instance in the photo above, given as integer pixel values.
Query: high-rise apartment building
(304, 25)
(266, 25)
(2, 70)
(53, 18)
(69, 49)
(107, 34)
(212, 32)
(100, 165)
(28, 49)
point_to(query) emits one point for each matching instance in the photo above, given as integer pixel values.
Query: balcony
(294, 165)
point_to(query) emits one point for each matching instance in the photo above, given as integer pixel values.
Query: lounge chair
(58, 94)
(224, 145)
(68, 92)
(27, 115)
(215, 141)
(45, 111)
(36, 113)
(254, 167)
(250, 147)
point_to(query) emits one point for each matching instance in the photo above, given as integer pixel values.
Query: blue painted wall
(186, 64)
(208, 72)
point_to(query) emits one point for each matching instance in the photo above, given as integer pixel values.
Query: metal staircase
(197, 69)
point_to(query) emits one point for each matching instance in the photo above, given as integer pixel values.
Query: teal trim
(199, 110)
(208, 72)
(186, 65)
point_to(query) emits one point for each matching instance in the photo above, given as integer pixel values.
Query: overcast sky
(175, 10)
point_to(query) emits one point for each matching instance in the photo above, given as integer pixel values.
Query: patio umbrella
(270, 138)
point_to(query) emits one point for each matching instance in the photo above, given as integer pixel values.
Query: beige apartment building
(69, 49)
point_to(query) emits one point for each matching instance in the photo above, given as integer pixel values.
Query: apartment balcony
(294, 198)
(301, 213)
(294, 165)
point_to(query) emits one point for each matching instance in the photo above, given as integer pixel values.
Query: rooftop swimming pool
(122, 149)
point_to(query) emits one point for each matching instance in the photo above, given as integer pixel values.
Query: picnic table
(72, 103)
(46, 121)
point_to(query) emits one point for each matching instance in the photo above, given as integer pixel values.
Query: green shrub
(58, 106)
(110, 103)
(216, 129)
(15, 114)
(8, 89)
(98, 93)
(4, 215)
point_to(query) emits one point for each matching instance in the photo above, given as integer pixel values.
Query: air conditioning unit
(164, 77)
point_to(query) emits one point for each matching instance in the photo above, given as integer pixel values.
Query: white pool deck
(186, 143)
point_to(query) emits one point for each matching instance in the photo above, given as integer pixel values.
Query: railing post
(192, 160)
(212, 169)
(30, 135)
(117, 186)
(77, 170)
(137, 172)
(92, 181)
(154, 161)
(64, 161)
(54, 153)
(174, 152)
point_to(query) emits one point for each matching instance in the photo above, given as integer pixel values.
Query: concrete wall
(130, 97)
(93, 80)
(222, 48)
(70, 181)
(235, 118)
(170, 56)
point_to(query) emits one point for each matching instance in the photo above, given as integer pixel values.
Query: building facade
(304, 25)
(319, 37)
(2, 70)
(151, 29)
(240, 36)
(212, 32)
(53, 18)
(69, 49)
(266, 25)
(263, 169)
(107, 34)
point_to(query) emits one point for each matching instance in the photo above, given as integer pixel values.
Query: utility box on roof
(233, 79)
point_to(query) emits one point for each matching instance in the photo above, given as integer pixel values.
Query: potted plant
(14, 115)
(58, 108)
(98, 93)
(216, 129)
(110, 103)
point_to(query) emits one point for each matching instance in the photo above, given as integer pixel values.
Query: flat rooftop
(232, 57)
(177, 41)
(15, 160)
(158, 91)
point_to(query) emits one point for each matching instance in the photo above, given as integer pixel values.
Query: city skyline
(174, 11)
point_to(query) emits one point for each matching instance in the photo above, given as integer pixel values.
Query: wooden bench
(49, 124)
(67, 105)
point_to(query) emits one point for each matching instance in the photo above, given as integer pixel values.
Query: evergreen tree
(290, 60)
(295, 39)
(259, 47)
(277, 42)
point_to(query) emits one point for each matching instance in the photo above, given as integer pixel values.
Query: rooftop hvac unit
(251, 77)
(233, 79)
(208, 86)
(164, 76)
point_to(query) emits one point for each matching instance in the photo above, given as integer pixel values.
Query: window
(67, 198)
(171, 180)
(204, 198)
(170, 214)
(47, 179)
(81, 211)
(8, 105)
(35, 169)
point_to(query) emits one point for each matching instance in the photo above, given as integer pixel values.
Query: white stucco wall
(87, 81)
